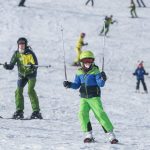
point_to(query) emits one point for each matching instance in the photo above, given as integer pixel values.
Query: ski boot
(89, 138)
(18, 115)
(36, 115)
(112, 138)
(146, 91)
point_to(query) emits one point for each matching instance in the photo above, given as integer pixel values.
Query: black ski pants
(92, 1)
(143, 83)
(22, 2)
(138, 1)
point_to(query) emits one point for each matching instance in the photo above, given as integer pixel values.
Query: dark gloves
(134, 74)
(67, 84)
(6, 66)
(103, 75)
(85, 43)
(146, 73)
(32, 66)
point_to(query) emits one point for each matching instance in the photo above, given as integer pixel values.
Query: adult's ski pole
(42, 66)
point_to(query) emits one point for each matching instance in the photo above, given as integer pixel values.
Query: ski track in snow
(127, 42)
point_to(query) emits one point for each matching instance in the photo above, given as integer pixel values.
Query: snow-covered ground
(127, 43)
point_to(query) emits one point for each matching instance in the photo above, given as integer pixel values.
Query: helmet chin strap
(21, 51)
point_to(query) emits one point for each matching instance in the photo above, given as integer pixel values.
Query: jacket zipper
(85, 86)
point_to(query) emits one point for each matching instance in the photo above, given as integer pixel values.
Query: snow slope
(127, 43)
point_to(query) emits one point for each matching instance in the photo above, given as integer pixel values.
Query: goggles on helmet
(87, 60)
(21, 42)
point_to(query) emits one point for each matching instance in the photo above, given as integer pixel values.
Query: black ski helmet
(22, 40)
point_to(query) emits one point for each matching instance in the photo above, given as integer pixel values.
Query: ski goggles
(87, 60)
(21, 42)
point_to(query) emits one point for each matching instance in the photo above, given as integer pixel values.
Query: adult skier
(92, 2)
(107, 22)
(80, 43)
(139, 73)
(89, 79)
(21, 4)
(26, 74)
(133, 10)
(139, 4)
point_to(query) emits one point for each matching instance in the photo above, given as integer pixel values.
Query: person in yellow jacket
(78, 49)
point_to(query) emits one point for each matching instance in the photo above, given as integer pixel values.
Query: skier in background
(78, 49)
(133, 10)
(139, 73)
(107, 22)
(89, 79)
(26, 74)
(92, 2)
(21, 4)
(138, 1)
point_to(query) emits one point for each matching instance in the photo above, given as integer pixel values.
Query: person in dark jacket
(89, 79)
(21, 4)
(139, 73)
(139, 4)
(92, 2)
(133, 9)
(26, 60)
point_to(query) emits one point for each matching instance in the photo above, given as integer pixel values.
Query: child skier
(107, 22)
(139, 73)
(89, 80)
(133, 9)
(78, 48)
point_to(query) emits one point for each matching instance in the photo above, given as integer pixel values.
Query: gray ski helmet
(22, 40)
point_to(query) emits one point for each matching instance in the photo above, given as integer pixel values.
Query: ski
(21, 118)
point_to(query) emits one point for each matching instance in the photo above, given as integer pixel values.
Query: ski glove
(103, 75)
(6, 66)
(31, 66)
(85, 43)
(67, 84)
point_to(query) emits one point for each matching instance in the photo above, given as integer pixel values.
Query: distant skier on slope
(26, 74)
(139, 4)
(89, 79)
(80, 43)
(92, 2)
(139, 73)
(21, 4)
(133, 9)
(107, 22)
